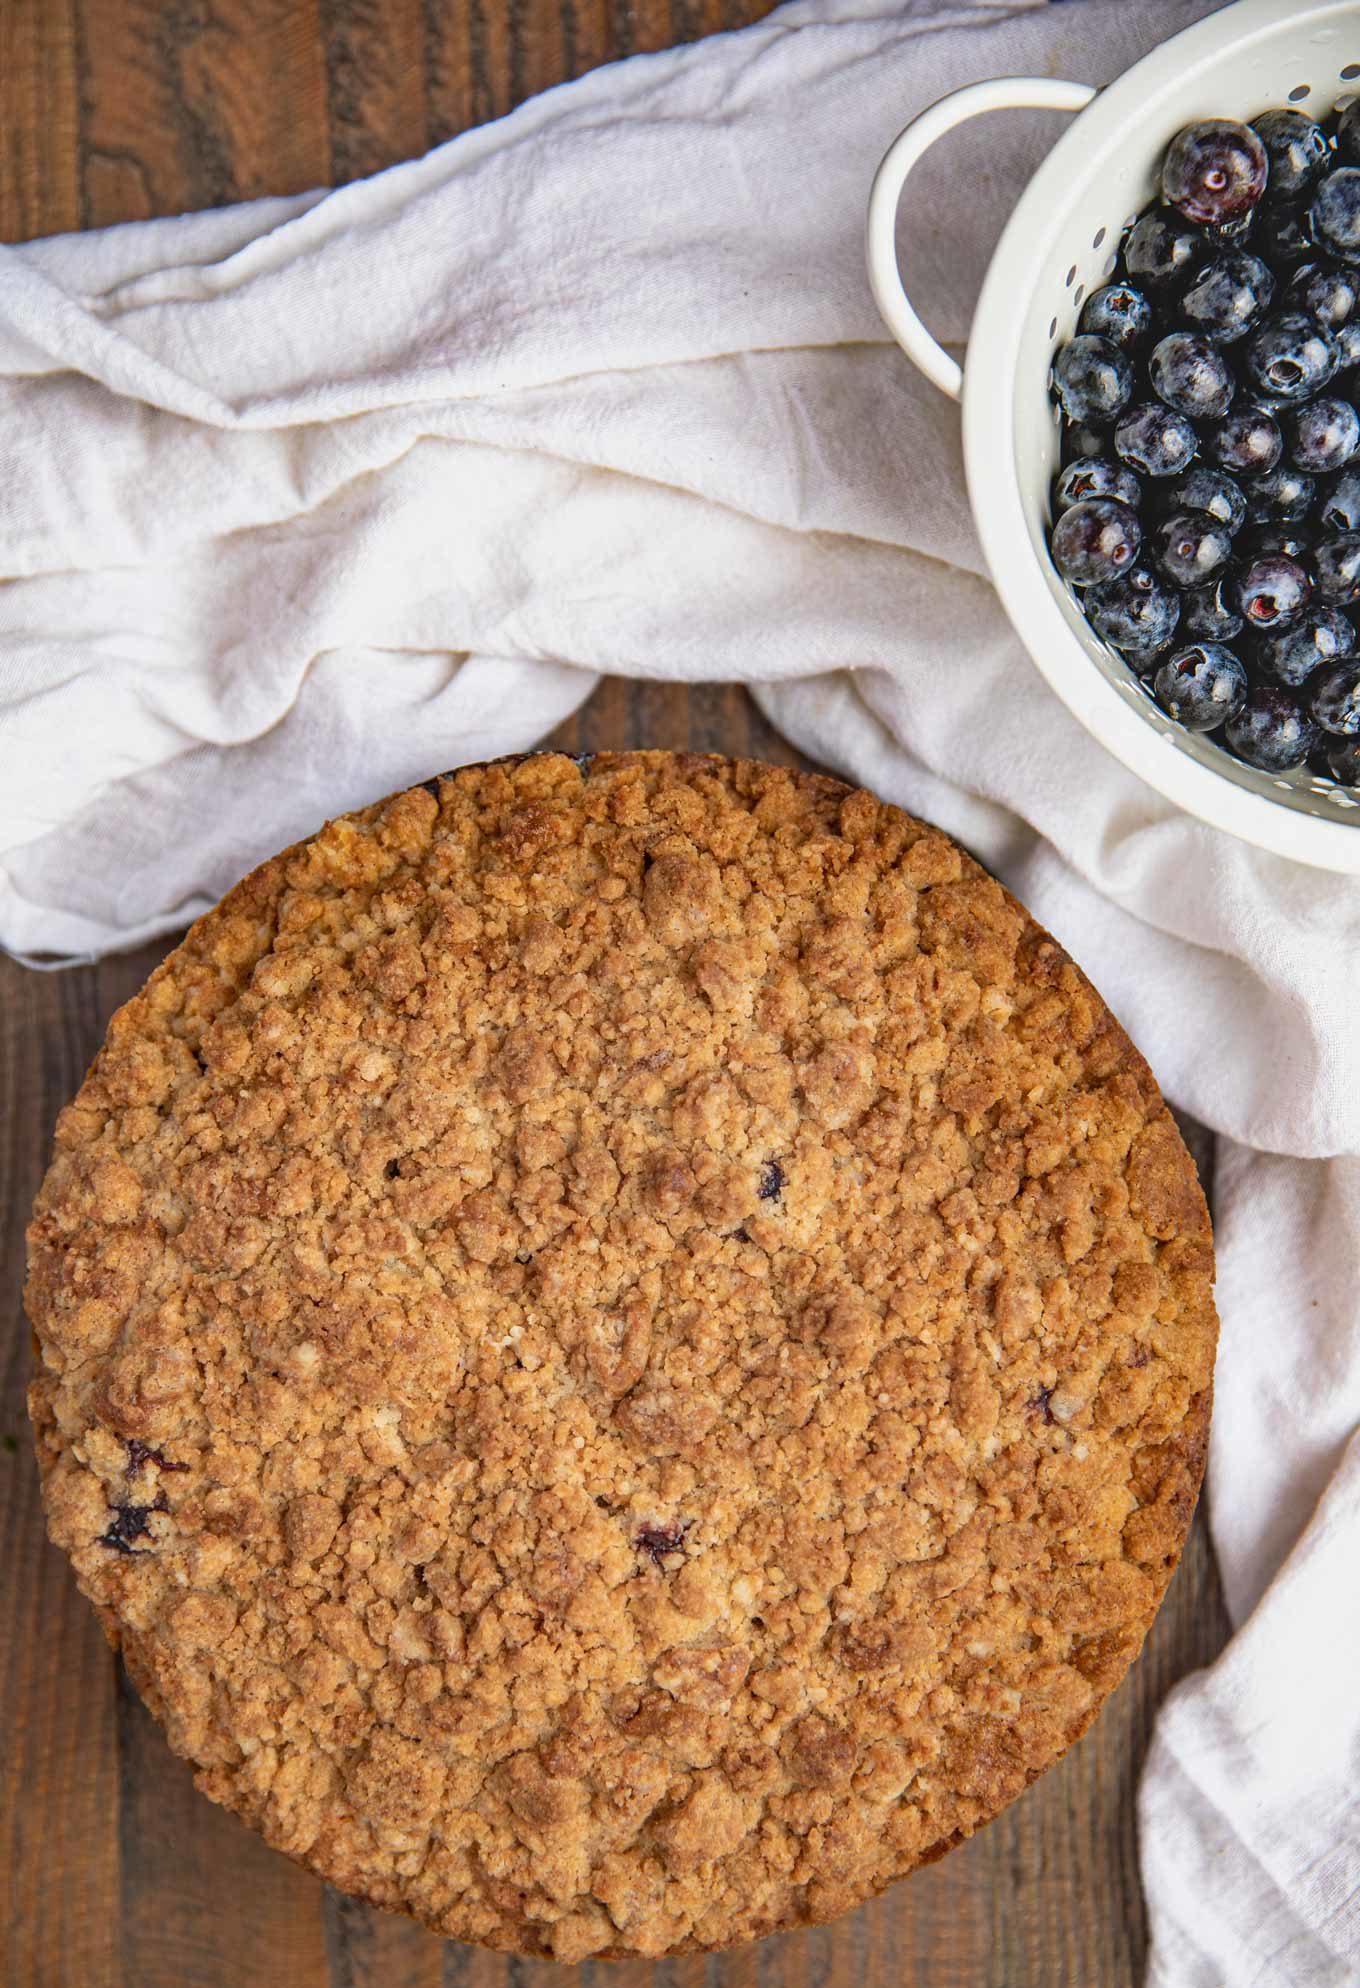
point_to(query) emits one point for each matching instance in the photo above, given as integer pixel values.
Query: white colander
(1059, 245)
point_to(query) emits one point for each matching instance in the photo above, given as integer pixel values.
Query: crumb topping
(625, 1348)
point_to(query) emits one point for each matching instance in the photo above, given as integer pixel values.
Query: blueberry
(1271, 731)
(1283, 235)
(1190, 547)
(1335, 213)
(1334, 700)
(1323, 435)
(1291, 357)
(1326, 291)
(1229, 296)
(1092, 378)
(1348, 133)
(1257, 541)
(1211, 490)
(1207, 614)
(1095, 540)
(1158, 253)
(1343, 760)
(1234, 234)
(1156, 440)
(1080, 443)
(1119, 313)
(1296, 148)
(1336, 562)
(1279, 496)
(1214, 171)
(1202, 687)
(1135, 614)
(1096, 476)
(1271, 590)
(1246, 440)
(1340, 511)
(1190, 376)
(1290, 655)
(1346, 338)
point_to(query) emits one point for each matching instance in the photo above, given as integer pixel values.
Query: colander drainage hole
(1053, 327)
(1097, 238)
(1078, 294)
(1350, 72)
(1299, 92)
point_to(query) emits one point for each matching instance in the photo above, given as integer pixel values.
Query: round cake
(624, 1347)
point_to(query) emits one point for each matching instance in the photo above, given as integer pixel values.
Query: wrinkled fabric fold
(308, 499)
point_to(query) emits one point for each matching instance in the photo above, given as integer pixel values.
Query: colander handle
(885, 278)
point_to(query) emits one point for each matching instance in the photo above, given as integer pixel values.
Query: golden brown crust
(626, 1350)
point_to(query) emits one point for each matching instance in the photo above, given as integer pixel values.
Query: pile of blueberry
(1209, 507)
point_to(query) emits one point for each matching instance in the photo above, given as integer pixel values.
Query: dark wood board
(115, 1873)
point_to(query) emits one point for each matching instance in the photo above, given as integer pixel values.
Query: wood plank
(59, 1841)
(372, 1949)
(205, 1903)
(39, 118)
(376, 99)
(194, 106)
(485, 56)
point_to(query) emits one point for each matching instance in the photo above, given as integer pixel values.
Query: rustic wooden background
(114, 1873)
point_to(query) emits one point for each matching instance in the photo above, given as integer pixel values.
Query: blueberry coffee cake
(624, 1349)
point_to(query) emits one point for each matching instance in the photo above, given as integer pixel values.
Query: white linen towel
(305, 500)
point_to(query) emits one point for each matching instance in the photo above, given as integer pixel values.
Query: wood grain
(113, 1870)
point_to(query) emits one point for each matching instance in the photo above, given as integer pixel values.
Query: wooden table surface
(114, 1873)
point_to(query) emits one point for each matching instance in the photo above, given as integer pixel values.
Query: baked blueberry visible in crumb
(129, 1523)
(1039, 1403)
(771, 1181)
(140, 1453)
(741, 1235)
(658, 1541)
